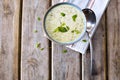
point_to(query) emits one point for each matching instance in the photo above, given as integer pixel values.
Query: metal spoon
(91, 21)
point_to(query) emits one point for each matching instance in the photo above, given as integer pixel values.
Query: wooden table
(22, 59)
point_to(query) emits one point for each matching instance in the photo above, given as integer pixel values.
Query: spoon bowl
(91, 19)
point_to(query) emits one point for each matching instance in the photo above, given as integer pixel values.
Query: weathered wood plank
(9, 39)
(113, 40)
(34, 62)
(66, 66)
(99, 47)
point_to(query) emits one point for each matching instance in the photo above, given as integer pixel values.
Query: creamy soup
(65, 23)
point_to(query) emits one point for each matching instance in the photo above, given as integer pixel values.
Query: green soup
(65, 23)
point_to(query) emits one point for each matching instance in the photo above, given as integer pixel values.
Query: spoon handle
(92, 61)
(91, 55)
(90, 4)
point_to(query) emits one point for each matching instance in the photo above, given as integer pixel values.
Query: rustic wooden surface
(20, 59)
(34, 62)
(113, 40)
(9, 34)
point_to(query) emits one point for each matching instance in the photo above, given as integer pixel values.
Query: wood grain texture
(113, 40)
(99, 53)
(66, 66)
(34, 62)
(9, 39)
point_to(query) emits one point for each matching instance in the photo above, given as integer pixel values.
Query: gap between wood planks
(106, 58)
(50, 53)
(20, 40)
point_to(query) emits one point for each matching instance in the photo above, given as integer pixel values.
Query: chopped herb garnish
(74, 17)
(62, 28)
(35, 31)
(64, 51)
(63, 24)
(56, 30)
(75, 31)
(62, 14)
(39, 18)
(67, 27)
(41, 49)
(72, 31)
(38, 45)
(84, 40)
